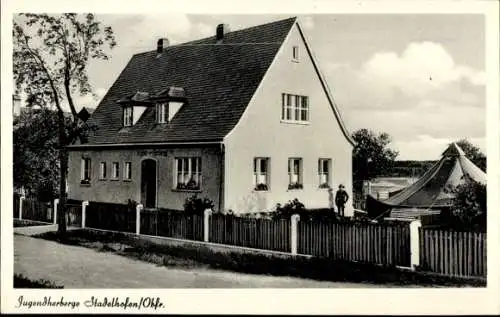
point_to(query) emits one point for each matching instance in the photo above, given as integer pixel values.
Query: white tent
(432, 190)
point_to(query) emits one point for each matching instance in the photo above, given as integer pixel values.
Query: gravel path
(79, 267)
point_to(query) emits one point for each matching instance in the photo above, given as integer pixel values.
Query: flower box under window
(324, 185)
(261, 187)
(295, 186)
(191, 185)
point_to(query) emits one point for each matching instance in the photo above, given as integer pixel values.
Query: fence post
(293, 231)
(85, 203)
(138, 209)
(206, 229)
(56, 205)
(415, 243)
(21, 198)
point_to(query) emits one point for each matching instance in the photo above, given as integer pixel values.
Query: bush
(290, 208)
(195, 205)
(468, 211)
(131, 205)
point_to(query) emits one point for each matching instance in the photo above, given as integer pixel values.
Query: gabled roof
(219, 79)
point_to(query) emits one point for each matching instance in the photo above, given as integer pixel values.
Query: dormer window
(161, 112)
(128, 116)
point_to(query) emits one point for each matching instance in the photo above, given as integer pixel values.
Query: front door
(148, 183)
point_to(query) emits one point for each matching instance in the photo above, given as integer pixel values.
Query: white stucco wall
(260, 133)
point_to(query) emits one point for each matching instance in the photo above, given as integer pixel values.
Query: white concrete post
(415, 243)
(56, 205)
(206, 229)
(138, 209)
(21, 198)
(85, 203)
(293, 232)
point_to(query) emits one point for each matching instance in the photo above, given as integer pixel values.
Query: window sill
(294, 189)
(295, 61)
(114, 179)
(295, 122)
(85, 185)
(102, 179)
(261, 191)
(127, 180)
(186, 190)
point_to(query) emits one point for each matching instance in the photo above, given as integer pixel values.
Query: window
(86, 171)
(102, 170)
(188, 173)
(295, 54)
(324, 173)
(128, 116)
(127, 172)
(295, 173)
(260, 173)
(161, 113)
(294, 108)
(116, 170)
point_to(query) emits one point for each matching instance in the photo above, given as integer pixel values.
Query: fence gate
(73, 215)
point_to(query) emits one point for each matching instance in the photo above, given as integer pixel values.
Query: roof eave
(326, 88)
(142, 144)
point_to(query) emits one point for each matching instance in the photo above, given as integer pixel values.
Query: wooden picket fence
(387, 244)
(171, 223)
(453, 253)
(256, 233)
(109, 216)
(37, 211)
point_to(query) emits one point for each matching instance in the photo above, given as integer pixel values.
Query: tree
(36, 164)
(469, 206)
(473, 153)
(371, 156)
(50, 58)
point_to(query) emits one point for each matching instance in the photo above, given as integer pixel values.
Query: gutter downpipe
(221, 177)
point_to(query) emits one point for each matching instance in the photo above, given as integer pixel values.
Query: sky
(420, 78)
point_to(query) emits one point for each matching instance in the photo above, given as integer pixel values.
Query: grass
(21, 281)
(189, 256)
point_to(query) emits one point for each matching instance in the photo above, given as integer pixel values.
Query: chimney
(220, 31)
(163, 42)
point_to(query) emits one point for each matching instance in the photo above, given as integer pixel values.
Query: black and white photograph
(279, 152)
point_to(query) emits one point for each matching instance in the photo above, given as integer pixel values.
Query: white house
(244, 118)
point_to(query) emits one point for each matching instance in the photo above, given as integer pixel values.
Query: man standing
(341, 198)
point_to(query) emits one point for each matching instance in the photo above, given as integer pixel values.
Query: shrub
(196, 205)
(131, 205)
(469, 206)
(290, 208)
